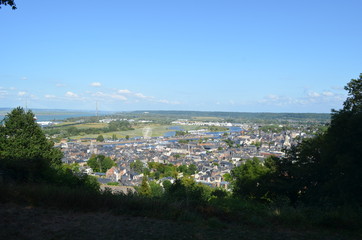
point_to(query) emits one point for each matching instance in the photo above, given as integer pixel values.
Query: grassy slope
(57, 212)
(25, 222)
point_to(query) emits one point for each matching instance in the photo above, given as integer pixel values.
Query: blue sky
(207, 55)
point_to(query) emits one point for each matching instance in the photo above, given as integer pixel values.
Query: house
(113, 173)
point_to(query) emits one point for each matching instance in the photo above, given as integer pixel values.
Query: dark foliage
(11, 3)
(26, 156)
(24, 150)
(100, 163)
(326, 170)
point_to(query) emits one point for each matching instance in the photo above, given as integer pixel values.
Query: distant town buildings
(214, 154)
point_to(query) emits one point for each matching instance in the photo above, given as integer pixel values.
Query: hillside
(26, 222)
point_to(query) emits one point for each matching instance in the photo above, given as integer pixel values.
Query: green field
(207, 119)
(156, 130)
(90, 125)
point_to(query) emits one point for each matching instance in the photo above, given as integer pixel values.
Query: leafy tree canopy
(100, 138)
(119, 126)
(159, 170)
(188, 170)
(144, 189)
(100, 163)
(24, 148)
(11, 3)
(250, 180)
(137, 166)
(353, 102)
(328, 167)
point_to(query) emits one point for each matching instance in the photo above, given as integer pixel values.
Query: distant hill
(244, 115)
(56, 114)
(50, 114)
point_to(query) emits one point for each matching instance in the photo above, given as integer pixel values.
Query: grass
(65, 124)
(90, 125)
(156, 131)
(229, 217)
(207, 119)
(138, 132)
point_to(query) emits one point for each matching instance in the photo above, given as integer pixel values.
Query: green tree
(144, 189)
(137, 166)
(100, 138)
(119, 125)
(341, 152)
(166, 184)
(188, 170)
(11, 3)
(114, 137)
(182, 168)
(162, 170)
(24, 149)
(72, 131)
(257, 144)
(250, 180)
(187, 191)
(327, 168)
(227, 177)
(181, 133)
(100, 163)
(229, 142)
(301, 172)
(219, 193)
(353, 103)
(156, 189)
(192, 169)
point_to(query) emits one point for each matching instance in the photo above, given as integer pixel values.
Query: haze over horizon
(230, 56)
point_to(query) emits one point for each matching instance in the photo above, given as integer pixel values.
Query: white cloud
(119, 97)
(124, 91)
(71, 94)
(129, 97)
(32, 96)
(109, 96)
(60, 85)
(24, 78)
(49, 96)
(327, 99)
(21, 93)
(313, 94)
(98, 94)
(328, 94)
(140, 95)
(272, 96)
(96, 84)
(337, 88)
(168, 102)
(3, 93)
(277, 100)
(164, 101)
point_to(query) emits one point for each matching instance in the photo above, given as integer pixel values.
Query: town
(211, 154)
